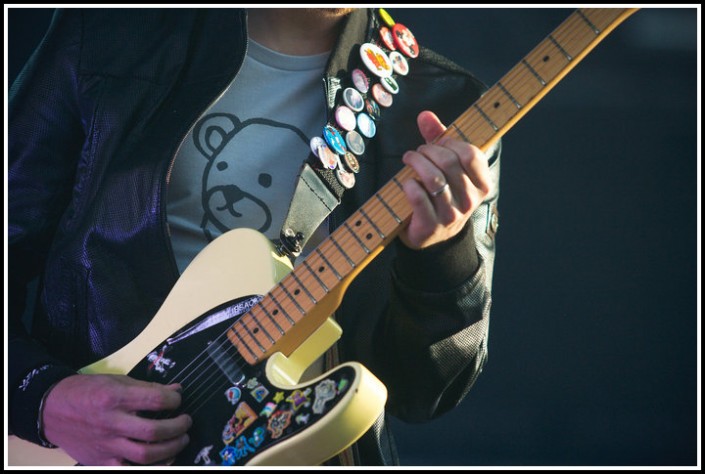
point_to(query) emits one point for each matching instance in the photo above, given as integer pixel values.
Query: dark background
(594, 339)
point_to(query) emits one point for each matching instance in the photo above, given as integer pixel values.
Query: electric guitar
(239, 355)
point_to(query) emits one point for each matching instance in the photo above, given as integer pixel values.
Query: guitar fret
(232, 331)
(283, 311)
(342, 252)
(460, 133)
(533, 71)
(360, 236)
(396, 181)
(252, 336)
(271, 318)
(374, 226)
(594, 29)
(320, 282)
(271, 339)
(560, 48)
(337, 275)
(296, 303)
(389, 209)
(303, 287)
(486, 117)
(359, 241)
(511, 97)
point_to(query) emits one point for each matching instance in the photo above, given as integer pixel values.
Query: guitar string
(519, 76)
(306, 277)
(372, 209)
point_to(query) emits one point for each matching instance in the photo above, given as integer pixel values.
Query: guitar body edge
(215, 277)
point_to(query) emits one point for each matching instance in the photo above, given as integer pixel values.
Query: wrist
(28, 401)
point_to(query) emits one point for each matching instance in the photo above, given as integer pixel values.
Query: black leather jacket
(95, 120)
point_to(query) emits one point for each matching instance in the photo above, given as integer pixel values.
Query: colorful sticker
(299, 399)
(278, 422)
(242, 448)
(233, 395)
(159, 363)
(258, 436)
(325, 391)
(227, 454)
(268, 409)
(259, 393)
(204, 455)
(278, 397)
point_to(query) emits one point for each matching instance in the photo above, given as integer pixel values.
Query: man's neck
(296, 31)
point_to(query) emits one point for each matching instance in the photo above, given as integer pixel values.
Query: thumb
(430, 125)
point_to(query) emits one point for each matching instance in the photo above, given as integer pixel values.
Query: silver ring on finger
(441, 190)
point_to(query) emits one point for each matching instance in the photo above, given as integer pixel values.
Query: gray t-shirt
(238, 165)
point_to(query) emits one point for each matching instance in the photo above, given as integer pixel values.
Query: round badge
(390, 84)
(356, 143)
(351, 162)
(399, 63)
(386, 17)
(376, 60)
(360, 79)
(381, 95)
(334, 139)
(405, 40)
(316, 143)
(345, 118)
(372, 109)
(366, 125)
(345, 178)
(353, 99)
(327, 157)
(387, 38)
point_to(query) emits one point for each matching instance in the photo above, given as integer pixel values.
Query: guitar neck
(304, 298)
(537, 73)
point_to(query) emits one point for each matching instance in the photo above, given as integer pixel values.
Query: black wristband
(27, 400)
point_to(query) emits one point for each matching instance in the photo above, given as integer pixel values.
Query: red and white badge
(387, 39)
(376, 60)
(405, 40)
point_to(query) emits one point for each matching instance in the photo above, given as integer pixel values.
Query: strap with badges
(344, 138)
(355, 119)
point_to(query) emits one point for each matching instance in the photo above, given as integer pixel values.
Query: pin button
(387, 39)
(334, 139)
(399, 63)
(366, 125)
(381, 95)
(376, 60)
(360, 79)
(353, 99)
(405, 40)
(355, 142)
(345, 118)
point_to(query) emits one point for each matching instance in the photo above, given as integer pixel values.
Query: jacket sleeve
(45, 137)
(432, 342)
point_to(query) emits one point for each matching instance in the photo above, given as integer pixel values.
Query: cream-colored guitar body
(239, 263)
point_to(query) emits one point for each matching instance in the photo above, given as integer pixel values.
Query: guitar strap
(333, 162)
(316, 194)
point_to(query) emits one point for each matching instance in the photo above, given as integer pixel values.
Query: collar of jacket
(358, 28)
